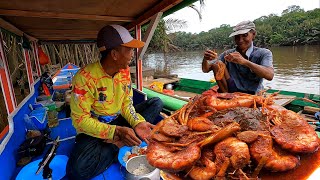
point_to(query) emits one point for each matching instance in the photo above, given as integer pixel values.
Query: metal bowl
(134, 163)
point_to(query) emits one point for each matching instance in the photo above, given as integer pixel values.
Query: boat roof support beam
(6, 25)
(163, 6)
(149, 33)
(139, 77)
(56, 15)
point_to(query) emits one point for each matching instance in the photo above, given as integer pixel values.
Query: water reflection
(296, 68)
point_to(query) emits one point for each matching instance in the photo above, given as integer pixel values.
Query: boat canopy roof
(65, 20)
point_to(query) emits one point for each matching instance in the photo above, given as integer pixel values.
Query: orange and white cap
(112, 36)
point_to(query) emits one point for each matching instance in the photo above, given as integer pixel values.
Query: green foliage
(293, 27)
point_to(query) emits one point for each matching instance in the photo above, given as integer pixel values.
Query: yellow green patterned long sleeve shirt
(94, 91)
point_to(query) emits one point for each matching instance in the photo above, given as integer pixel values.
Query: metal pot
(133, 164)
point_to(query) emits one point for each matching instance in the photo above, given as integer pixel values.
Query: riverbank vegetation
(294, 27)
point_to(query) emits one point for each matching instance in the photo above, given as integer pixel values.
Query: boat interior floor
(67, 134)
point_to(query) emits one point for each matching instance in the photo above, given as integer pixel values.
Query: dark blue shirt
(245, 79)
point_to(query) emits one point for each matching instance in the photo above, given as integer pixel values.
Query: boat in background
(62, 79)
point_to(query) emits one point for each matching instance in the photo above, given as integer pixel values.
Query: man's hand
(210, 55)
(143, 130)
(261, 71)
(235, 57)
(124, 136)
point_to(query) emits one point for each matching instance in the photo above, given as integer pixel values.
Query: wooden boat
(59, 22)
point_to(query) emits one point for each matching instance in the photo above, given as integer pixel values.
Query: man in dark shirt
(246, 65)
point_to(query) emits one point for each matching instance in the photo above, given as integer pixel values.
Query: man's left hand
(143, 130)
(236, 57)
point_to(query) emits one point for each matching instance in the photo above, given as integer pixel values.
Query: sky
(218, 12)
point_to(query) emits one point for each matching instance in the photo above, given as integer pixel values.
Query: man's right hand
(125, 136)
(210, 55)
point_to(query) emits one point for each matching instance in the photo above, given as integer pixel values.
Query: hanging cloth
(43, 58)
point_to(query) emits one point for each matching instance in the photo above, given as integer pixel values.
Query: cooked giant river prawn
(232, 135)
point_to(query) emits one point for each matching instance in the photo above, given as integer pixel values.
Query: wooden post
(28, 67)
(149, 33)
(140, 52)
(35, 52)
(139, 78)
(311, 110)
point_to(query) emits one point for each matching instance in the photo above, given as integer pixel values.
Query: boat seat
(138, 96)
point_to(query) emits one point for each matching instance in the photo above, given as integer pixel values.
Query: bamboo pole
(86, 53)
(69, 54)
(79, 54)
(57, 52)
(62, 53)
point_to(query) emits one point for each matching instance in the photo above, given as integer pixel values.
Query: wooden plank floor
(184, 94)
(283, 100)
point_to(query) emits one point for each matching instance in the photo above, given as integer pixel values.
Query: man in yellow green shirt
(102, 108)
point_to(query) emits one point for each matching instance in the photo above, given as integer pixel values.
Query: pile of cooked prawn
(230, 135)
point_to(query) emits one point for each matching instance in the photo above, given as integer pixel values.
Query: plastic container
(124, 149)
(29, 124)
(49, 104)
(134, 163)
(58, 166)
(39, 117)
(59, 105)
(43, 98)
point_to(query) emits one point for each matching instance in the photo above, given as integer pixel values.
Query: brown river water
(296, 68)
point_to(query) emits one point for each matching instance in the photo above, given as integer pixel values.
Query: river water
(296, 68)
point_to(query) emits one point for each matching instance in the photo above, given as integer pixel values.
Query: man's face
(244, 41)
(125, 55)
